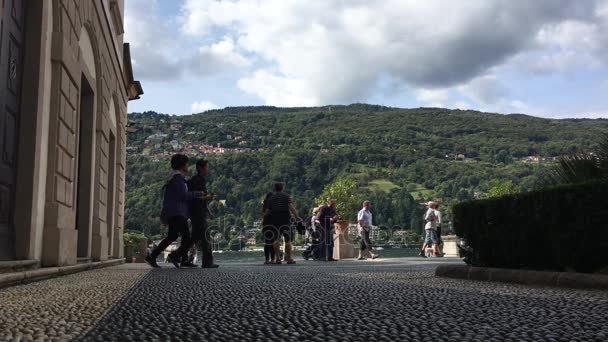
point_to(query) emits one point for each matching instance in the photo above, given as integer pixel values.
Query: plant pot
(129, 253)
(343, 245)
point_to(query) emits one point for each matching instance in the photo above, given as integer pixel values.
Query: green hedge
(564, 228)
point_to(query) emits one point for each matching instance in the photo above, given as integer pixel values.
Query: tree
(581, 167)
(345, 191)
(503, 189)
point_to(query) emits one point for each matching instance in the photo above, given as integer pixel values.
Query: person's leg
(321, 244)
(286, 232)
(266, 246)
(362, 246)
(427, 242)
(368, 244)
(271, 250)
(192, 253)
(266, 253)
(439, 241)
(330, 243)
(195, 238)
(172, 235)
(181, 225)
(434, 242)
(314, 254)
(276, 244)
(206, 246)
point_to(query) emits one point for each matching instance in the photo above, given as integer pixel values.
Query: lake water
(258, 256)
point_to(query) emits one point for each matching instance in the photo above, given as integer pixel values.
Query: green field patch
(415, 189)
(382, 185)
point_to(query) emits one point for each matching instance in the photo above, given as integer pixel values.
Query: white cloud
(279, 90)
(485, 89)
(152, 44)
(202, 106)
(319, 52)
(219, 57)
(433, 97)
(570, 45)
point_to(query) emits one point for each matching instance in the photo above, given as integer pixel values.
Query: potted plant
(345, 190)
(133, 245)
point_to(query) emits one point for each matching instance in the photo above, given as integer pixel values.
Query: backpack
(164, 220)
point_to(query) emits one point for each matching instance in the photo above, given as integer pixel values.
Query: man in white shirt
(430, 227)
(364, 226)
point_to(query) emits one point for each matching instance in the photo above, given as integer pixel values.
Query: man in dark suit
(200, 213)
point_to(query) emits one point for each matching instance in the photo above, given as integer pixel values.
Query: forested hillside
(400, 157)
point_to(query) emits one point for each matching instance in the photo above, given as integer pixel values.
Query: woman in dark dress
(268, 231)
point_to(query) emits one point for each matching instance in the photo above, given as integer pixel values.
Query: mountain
(399, 156)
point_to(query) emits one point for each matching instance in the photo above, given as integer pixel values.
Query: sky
(544, 58)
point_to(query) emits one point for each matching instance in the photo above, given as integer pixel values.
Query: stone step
(18, 265)
(83, 260)
(9, 278)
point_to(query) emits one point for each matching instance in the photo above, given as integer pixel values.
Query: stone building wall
(72, 208)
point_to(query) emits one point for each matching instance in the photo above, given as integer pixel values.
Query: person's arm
(427, 215)
(360, 219)
(180, 189)
(294, 211)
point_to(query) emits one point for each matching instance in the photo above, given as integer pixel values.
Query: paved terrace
(381, 300)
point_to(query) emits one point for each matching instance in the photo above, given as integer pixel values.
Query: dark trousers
(280, 221)
(178, 225)
(365, 243)
(202, 236)
(315, 240)
(326, 244)
(270, 235)
(439, 241)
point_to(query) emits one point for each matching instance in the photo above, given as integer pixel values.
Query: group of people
(320, 234)
(182, 200)
(185, 200)
(432, 228)
(277, 209)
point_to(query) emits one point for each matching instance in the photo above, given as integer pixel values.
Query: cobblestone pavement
(63, 308)
(391, 300)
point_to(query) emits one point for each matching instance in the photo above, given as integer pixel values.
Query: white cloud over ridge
(481, 54)
(322, 52)
(202, 106)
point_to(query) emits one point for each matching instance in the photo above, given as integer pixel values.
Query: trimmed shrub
(563, 228)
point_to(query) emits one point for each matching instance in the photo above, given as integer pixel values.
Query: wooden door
(12, 27)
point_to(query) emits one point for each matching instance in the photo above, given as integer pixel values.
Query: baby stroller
(312, 242)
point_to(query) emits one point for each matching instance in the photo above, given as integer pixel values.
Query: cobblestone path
(391, 300)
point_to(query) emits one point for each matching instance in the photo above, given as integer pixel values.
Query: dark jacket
(326, 213)
(266, 215)
(176, 198)
(199, 206)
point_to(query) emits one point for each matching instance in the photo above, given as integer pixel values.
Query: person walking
(174, 212)
(364, 226)
(281, 208)
(312, 236)
(439, 240)
(430, 228)
(327, 217)
(269, 233)
(200, 212)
